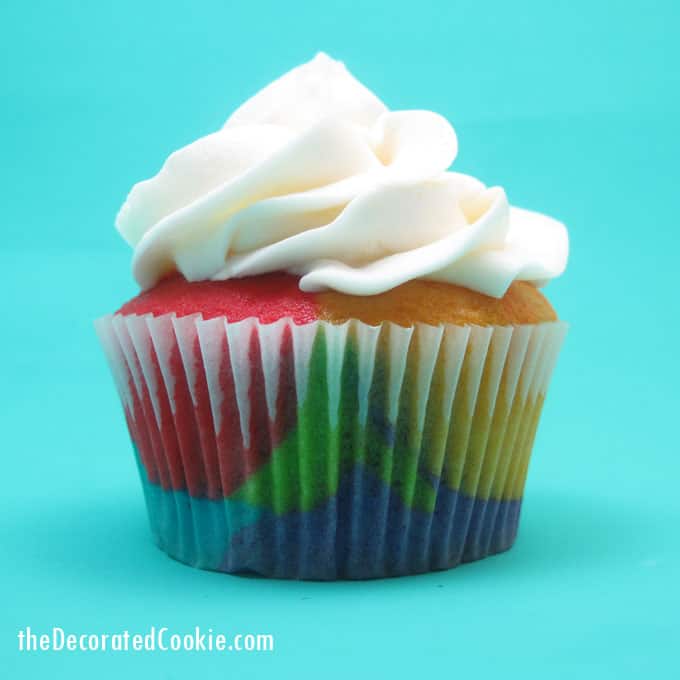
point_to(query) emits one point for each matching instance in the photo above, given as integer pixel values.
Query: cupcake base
(362, 532)
(325, 451)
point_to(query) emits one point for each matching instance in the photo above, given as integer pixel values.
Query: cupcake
(338, 358)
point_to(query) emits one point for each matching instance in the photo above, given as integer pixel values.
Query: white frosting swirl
(314, 175)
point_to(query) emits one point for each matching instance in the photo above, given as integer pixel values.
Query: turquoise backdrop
(573, 107)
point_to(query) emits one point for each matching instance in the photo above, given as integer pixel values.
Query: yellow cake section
(435, 303)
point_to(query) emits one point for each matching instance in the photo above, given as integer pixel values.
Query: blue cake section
(364, 531)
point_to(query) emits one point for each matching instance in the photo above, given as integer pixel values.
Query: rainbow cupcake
(337, 363)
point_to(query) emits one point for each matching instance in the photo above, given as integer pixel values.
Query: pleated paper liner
(326, 451)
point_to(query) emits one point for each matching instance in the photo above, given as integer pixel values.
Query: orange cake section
(434, 303)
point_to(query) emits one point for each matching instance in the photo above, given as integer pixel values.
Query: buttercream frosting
(315, 176)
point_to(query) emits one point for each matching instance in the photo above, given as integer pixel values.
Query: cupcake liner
(327, 451)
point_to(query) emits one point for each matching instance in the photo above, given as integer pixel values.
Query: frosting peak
(314, 175)
(309, 93)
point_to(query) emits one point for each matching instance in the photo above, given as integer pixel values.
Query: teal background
(573, 107)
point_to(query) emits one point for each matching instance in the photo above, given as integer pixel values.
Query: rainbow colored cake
(299, 413)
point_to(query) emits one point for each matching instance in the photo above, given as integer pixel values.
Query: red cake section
(267, 297)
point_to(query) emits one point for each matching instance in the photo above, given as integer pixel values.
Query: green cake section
(397, 460)
(305, 468)
(477, 450)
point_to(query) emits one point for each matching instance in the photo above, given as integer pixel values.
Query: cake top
(316, 177)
